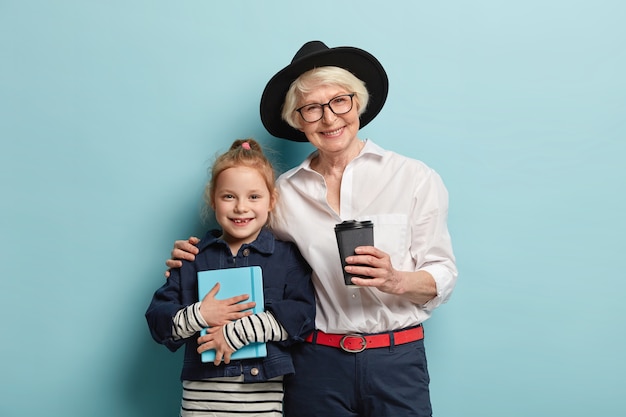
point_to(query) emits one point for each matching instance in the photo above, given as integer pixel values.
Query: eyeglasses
(339, 105)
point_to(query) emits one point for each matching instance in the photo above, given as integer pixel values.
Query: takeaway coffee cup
(350, 234)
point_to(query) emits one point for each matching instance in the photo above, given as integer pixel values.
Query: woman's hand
(219, 312)
(418, 286)
(372, 262)
(183, 249)
(214, 339)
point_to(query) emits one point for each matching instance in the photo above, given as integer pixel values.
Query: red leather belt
(355, 343)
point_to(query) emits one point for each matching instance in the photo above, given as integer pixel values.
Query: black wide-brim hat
(315, 54)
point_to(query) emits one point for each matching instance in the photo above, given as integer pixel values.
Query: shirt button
(254, 371)
(246, 252)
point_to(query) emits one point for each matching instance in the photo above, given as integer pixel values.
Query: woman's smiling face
(333, 133)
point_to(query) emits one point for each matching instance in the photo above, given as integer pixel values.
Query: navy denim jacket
(287, 290)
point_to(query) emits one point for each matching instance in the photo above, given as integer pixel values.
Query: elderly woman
(366, 356)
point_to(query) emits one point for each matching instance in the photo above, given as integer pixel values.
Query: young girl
(241, 193)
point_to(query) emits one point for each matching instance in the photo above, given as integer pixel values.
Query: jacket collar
(264, 242)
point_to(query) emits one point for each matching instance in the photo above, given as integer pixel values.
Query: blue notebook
(235, 281)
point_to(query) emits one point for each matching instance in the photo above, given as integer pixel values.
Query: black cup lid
(353, 224)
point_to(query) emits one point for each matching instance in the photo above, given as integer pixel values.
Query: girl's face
(332, 134)
(242, 205)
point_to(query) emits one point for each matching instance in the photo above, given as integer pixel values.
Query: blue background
(111, 112)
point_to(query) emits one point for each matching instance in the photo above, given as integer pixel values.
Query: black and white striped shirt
(230, 396)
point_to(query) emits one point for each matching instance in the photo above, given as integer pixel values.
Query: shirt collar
(370, 148)
(264, 243)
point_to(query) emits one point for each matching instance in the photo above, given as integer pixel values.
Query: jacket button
(254, 371)
(246, 252)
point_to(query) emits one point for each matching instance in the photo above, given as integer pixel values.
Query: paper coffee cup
(351, 234)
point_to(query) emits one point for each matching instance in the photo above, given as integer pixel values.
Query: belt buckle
(358, 336)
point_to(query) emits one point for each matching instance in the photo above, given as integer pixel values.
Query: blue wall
(110, 113)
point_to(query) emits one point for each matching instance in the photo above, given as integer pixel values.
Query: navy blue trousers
(383, 382)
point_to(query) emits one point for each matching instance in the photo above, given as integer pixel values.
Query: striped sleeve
(261, 327)
(187, 322)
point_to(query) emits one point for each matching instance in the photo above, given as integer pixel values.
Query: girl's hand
(219, 312)
(214, 339)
